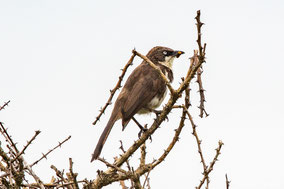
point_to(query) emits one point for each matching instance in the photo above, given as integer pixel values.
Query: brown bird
(143, 92)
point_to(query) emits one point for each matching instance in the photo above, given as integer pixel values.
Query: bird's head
(163, 55)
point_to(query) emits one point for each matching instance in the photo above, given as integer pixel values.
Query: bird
(143, 91)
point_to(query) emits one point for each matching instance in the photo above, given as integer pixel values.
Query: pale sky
(59, 59)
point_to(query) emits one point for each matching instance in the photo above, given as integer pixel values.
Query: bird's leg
(139, 125)
(142, 129)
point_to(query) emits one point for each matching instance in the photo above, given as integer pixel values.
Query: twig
(147, 178)
(187, 97)
(11, 170)
(35, 185)
(45, 155)
(25, 147)
(148, 183)
(127, 162)
(122, 183)
(177, 131)
(31, 172)
(112, 166)
(174, 140)
(122, 149)
(157, 69)
(136, 180)
(201, 92)
(137, 184)
(201, 48)
(227, 182)
(4, 156)
(60, 175)
(8, 137)
(117, 86)
(143, 155)
(198, 141)
(57, 172)
(74, 176)
(206, 174)
(201, 58)
(5, 104)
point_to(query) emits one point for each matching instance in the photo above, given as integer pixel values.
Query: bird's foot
(143, 130)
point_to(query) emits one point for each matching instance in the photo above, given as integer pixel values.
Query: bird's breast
(154, 103)
(157, 100)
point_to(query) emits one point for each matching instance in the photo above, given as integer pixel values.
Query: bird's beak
(177, 53)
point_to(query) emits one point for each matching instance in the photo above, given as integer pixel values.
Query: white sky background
(59, 59)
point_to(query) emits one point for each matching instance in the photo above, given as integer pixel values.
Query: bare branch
(60, 175)
(5, 104)
(201, 48)
(201, 92)
(206, 174)
(143, 155)
(173, 142)
(45, 155)
(127, 162)
(8, 137)
(31, 172)
(122, 184)
(73, 175)
(48, 185)
(198, 141)
(117, 86)
(147, 179)
(112, 166)
(25, 147)
(227, 182)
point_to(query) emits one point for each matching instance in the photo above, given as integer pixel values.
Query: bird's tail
(103, 138)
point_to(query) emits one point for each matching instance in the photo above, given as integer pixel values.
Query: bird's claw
(143, 130)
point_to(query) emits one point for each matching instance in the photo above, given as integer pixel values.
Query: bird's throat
(168, 61)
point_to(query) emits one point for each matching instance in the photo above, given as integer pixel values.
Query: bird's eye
(165, 52)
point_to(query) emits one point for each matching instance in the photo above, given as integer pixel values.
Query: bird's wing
(142, 87)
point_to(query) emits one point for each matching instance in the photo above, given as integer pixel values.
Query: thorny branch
(58, 173)
(73, 176)
(201, 48)
(198, 141)
(122, 149)
(117, 86)
(227, 182)
(112, 165)
(201, 92)
(201, 57)
(210, 168)
(25, 147)
(5, 104)
(46, 154)
(8, 137)
(15, 166)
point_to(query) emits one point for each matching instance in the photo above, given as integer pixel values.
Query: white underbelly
(154, 103)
